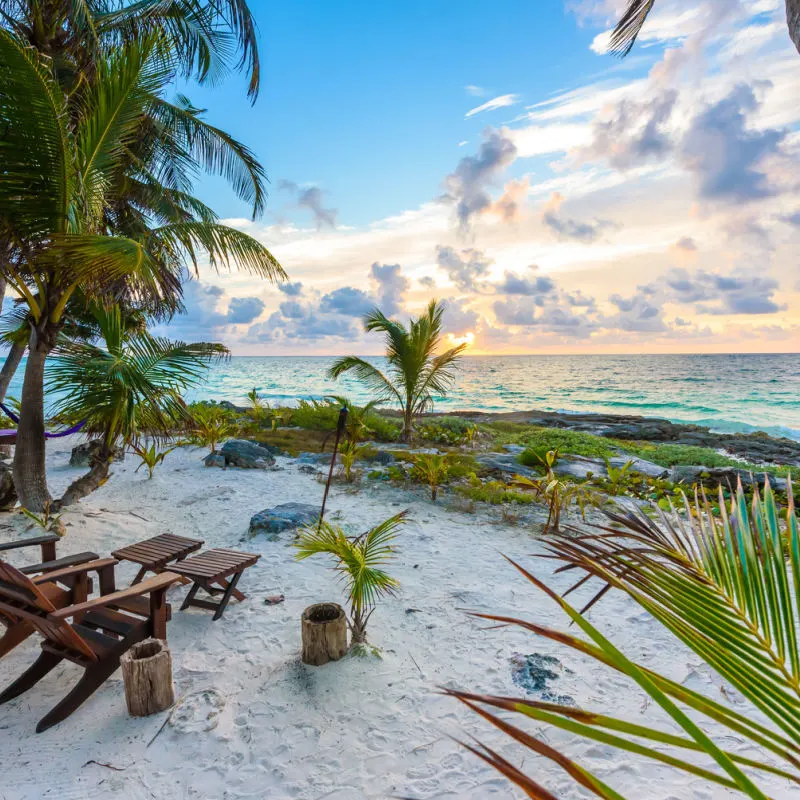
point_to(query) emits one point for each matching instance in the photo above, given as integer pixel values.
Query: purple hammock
(9, 435)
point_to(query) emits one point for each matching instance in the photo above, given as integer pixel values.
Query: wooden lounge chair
(102, 629)
(64, 590)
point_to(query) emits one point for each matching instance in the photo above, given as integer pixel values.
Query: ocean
(727, 393)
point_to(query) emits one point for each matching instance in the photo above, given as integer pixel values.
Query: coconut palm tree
(630, 25)
(127, 388)
(61, 178)
(415, 372)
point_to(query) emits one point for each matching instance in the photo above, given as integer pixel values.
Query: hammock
(9, 435)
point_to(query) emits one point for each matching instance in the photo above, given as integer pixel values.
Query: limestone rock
(246, 455)
(8, 493)
(284, 517)
(215, 459)
(727, 476)
(83, 454)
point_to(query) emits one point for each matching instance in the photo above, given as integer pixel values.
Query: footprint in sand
(198, 712)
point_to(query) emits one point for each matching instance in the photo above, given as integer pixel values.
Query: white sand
(254, 722)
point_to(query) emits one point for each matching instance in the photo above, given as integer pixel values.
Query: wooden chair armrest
(51, 538)
(89, 566)
(59, 563)
(154, 584)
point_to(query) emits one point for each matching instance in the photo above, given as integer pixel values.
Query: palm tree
(60, 177)
(725, 585)
(415, 373)
(630, 25)
(127, 389)
(360, 563)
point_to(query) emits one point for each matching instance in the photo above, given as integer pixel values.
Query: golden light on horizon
(468, 339)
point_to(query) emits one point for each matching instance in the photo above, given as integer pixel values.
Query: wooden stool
(154, 555)
(212, 571)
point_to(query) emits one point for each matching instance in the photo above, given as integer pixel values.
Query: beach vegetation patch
(432, 469)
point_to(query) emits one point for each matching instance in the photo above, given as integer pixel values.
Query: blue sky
(494, 156)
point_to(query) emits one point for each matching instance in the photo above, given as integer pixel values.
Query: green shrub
(544, 439)
(493, 492)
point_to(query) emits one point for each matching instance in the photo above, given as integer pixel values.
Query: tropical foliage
(210, 425)
(360, 563)
(98, 169)
(415, 373)
(128, 388)
(727, 586)
(150, 457)
(431, 469)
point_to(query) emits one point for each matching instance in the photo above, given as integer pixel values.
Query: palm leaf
(630, 26)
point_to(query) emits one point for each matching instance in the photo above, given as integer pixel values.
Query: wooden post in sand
(324, 629)
(147, 674)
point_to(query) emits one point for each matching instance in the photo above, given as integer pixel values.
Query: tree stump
(324, 628)
(147, 674)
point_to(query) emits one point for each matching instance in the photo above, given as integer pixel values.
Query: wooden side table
(156, 554)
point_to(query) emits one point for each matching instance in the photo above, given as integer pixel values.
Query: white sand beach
(253, 722)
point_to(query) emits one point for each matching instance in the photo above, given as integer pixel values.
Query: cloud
(464, 268)
(551, 315)
(724, 154)
(291, 289)
(348, 301)
(632, 132)
(637, 313)
(458, 317)
(392, 286)
(687, 244)
(466, 186)
(514, 284)
(509, 207)
(243, 310)
(427, 282)
(718, 294)
(568, 228)
(503, 101)
(791, 219)
(310, 198)
(475, 91)
(310, 327)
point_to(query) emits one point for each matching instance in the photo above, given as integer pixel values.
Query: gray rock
(514, 449)
(246, 455)
(215, 459)
(577, 467)
(383, 457)
(504, 464)
(641, 466)
(83, 454)
(8, 492)
(287, 516)
(726, 476)
(308, 469)
(315, 458)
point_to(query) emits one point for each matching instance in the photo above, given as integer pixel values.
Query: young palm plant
(725, 586)
(129, 388)
(150, 457)
(359, 562)
(210, 425)
(415, 372)
(431, 469)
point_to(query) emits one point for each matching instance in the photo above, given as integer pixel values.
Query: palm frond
(368, 374)
(630, 26)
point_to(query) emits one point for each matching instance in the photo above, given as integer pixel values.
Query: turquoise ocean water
(725, 392)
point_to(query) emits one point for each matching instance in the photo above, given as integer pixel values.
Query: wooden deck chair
(68, 588)
(100, 632)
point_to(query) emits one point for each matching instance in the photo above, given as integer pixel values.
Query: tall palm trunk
(793, 21)
(30, 477)
(86, 484)
(10, 367)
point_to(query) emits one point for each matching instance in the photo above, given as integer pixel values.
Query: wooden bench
(218, 572)
(158, 553)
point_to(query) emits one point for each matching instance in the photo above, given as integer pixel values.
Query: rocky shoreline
(758, 448)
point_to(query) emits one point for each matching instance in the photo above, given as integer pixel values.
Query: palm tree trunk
(10, 367)
(86, 484)
(406, 434)
(30, 477)
(793, 21)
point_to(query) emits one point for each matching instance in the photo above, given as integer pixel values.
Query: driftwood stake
(147, 674)
(324, 634)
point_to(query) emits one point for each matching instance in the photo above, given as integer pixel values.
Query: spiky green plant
(415, 372)
(349, 452)
(210, 426)
(359, 562)
(258, 406)
(357, 425)
(724, 585)
(150, 457)
(559, 495)
(431, 469)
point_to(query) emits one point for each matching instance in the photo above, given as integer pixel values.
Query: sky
(558, 199)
